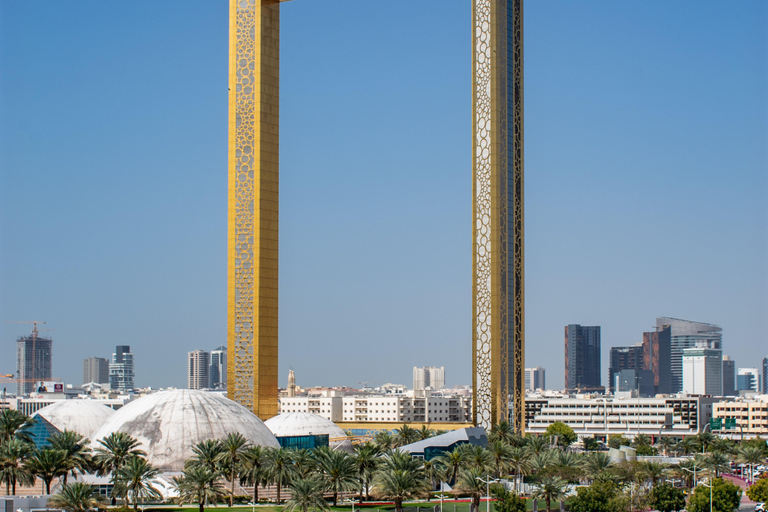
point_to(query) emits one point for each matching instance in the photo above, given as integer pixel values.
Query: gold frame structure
(498, 267)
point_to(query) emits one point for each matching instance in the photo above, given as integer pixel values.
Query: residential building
(624, 358)
(218, 372)
(687, 334)
(34, 361)
(748, 379)
(748, 416)
(430, 377)
(604, 417)
(729, 377)
(702, 371)
(582, 357)
(198, 369)
(535, 378)
(657, 355)
(121, 369)
(95, 369)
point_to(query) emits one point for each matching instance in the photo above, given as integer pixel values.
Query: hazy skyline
(646, 161)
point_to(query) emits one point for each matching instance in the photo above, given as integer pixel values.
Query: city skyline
(592, 112)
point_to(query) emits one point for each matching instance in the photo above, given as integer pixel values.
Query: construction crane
(34, 340)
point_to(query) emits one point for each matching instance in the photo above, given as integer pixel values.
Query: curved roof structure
(82, 416)
(169, 423)
(305, 424)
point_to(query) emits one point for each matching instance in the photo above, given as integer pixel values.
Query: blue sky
(646, 180)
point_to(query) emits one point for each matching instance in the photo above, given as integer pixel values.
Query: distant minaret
(291, 384)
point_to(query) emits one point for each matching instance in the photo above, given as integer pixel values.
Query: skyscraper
(702, 371)
(657, 355)
(218, 373)
(729, 376)
(121, 369)
(429, 377)
(535, 378)
(765, 375)
(688, 334)
(95, 369)
(624, 358)
(748, 379)
(582, 358)
(198, 369)
(34, 356)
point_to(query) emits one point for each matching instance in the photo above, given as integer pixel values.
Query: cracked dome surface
(169, 423)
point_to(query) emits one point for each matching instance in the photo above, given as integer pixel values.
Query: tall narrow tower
(254, 86)
(498, 325)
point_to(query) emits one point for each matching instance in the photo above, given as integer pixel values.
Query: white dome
(82, 416)
(169, 423)
(305, 424)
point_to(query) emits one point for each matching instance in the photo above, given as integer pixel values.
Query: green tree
(433, 472)
(366, 462)
(398, 485)
(501, 431)
(452, 461)
(717, 462)
(566, 465)
(520, 462)
(595, 463)
(477, 457)
(337, 470)
(306, 494)
(47, 464)
(425, 433)
(255, 473)
(76, 497)
(135, 481)
(206, 454)
(751, 455)
(665, 444)
(13, 456)
(759, 490)
(598, 497)
(405, 435)
(536, 444)
(234, 452)
(667, 498)
(384, 441)
(304, 463)
(199, 484)
(725, 497)
(653, 471)
(591, 444)
(77, 454)
(565, 434)
(551, 488)
(506, 501)
(278, 468)
(114, 451)
(618, 441)
(500, 453)
(15, 424)
(704, 440)
(471, 482)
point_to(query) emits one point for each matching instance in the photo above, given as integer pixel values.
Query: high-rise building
(688, 334)
(748, 379)
(729, 376)
(624, 358)
(765, 375)
(121, 369)
(657, 357)
(218, 373)
(291, 389)
(702, 371)
(95, 369)
(429, 377)
(582, 358)
(34, 356)
(535, 378)
(198, 369)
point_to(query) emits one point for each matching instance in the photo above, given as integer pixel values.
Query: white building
(600, 416)
(703, 371)
(121, 369)
(748, 379)
(430, 377)
(198, 369)
(535, 379)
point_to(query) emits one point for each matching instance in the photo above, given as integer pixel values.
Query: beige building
(749, 413)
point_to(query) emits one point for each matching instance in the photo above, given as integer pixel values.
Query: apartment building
(750, 415)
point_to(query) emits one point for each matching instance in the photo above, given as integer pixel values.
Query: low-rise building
(747, 416)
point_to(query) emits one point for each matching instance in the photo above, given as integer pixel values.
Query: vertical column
(498, 341)
(252, 261)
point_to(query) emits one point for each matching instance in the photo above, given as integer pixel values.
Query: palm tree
(665, 443)
(366, 461)
(641, 440)
(77, 454)
(687, 445)
(14, 424)
(452, 461)
(433, 472)
(472, 481)
(278, 468)
(536, 444)
(206, 454)
(477, 457)
(13, 455)
(405, 435)
(703, 440)
(233, 453)
(722, 445)
(567, 465)
(398, 459)
(499, 452)
(47, 464)
(255, 470)
(653, 471)
(540, 462)
(595, 463)
(115, 450)
(135, 480)
(398, 485)
(76, 497)
(425, 433)
(501, 431)
(337, 469)
(752, 455)
(384, 441)
(520, 461)
(306, 494)
(551, 488)
(199, 484)
(717, 462)
(304, 463)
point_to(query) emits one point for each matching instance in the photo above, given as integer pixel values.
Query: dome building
(306, 424)
(82, 416)
(169, 423)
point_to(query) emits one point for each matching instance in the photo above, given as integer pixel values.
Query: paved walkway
(745, 501)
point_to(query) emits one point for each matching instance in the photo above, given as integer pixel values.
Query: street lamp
(711, 485)
(441, 496)
(488, 483)
(695, 467)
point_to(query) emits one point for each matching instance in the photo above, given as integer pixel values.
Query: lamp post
(441, 496)
(711, 485)
(695, 466)
(488, 483)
